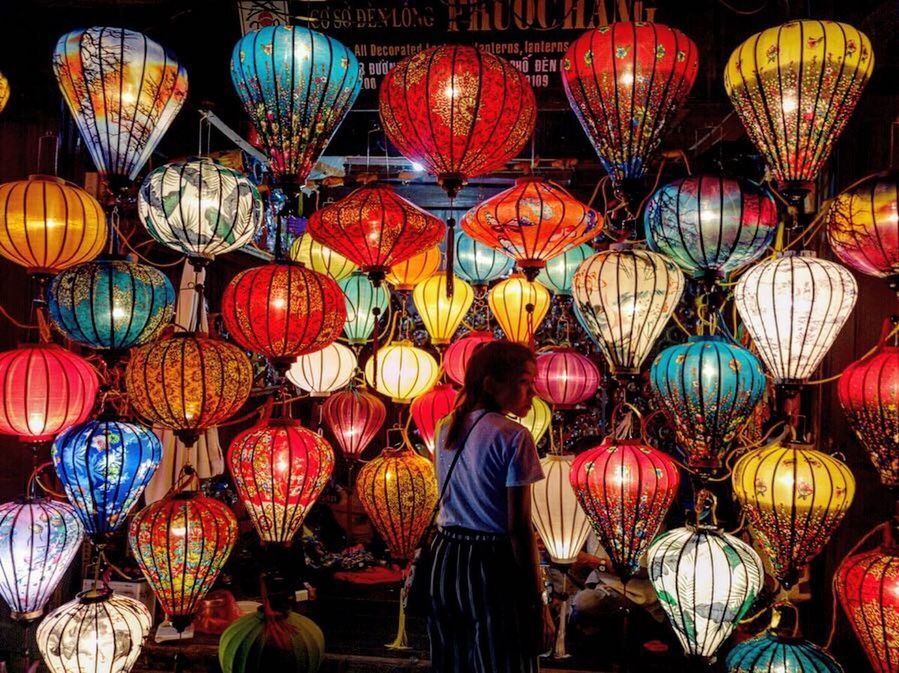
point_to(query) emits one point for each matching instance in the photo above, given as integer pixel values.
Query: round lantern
(354, 417)
(283, 311)
(188, 382)
(200, 208)
(624, 298)
(794, 307)
(47, 224)
(794, 498)
(559, 271)
(477, 263)
(38, 540)
(404, 371)
(98, 632)
(519, 305)
(458, 353)
(709, 388)
(565, 378)
(794, 87)
(322, 372)
(280, 469)
(625, 487)
(375, 228)
(43, 390)
(111, 304)
(537, 420)
(429, 408)
(362, 297)
(181, 543)
(406, 275)
(441, 314)
(626, 82)
(312, 254)
(559, 519)
(4, 91)
(261, 642)
(458, 111)
(710, 226)
(104, 466)
(296, 85)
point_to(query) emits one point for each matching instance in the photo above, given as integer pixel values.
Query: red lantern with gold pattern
(354, 417)
(455, 360)
(565, 377)
(429, 408)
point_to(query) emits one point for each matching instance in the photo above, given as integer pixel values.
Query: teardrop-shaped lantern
(321, 372)
(519, 305)
(404, 276)
(794, 307)
(427, 409)
(537, 420)
(708, 387)
(794, 498)
(441, 314)
(271, 641)
(794, 87)
(354, 417)
(296, 85)
(565, 378)
(626, 82)
(559, 519)
(365, 304)
(559, 271)
(123, 90)
(458, 353)
(624, 297)
(312, 254)
(478, 263)
(404, 371)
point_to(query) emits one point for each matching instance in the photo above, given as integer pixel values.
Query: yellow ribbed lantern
(47, 224)
(440, 314)
(408, 274)
(537, 420)
(794, 498)
(404, 371)
(318, 257)
(509, 302)
(4, 91)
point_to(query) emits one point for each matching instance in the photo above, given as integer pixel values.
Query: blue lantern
(361, 297)
(559, 270)
(104, 466)
(111, 304)
(478, 263)
(709, 388)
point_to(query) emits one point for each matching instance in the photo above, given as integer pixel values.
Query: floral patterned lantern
(477, 263)
(559, 519)
(427, 409)
(322, 372)
(404, 371)
(440, 313)
(458, 353)
(565, 378)
(354, 417)
(365, 303)
(519, 305)
(313, 255)
(404, 276)
(537, 420)
(559, 271)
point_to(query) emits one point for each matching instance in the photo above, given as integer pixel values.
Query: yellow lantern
(408, 274)
(318, 257)
(47, 224)
(404, 371)
(4, 91)
(519, 306)
(537, 420)
(441, 314)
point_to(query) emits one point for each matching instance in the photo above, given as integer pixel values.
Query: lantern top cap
(95, 595)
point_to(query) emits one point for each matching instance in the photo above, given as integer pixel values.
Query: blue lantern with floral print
(478, 263)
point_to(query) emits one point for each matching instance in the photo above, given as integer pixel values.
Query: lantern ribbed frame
(477, 263)
(440, 314)
(354, 417)
(559, 519)
(361, 297)
(404, 276)
(253, 643)
(559, 271)
(428, 408)
(323, 371)
(565, 378)
(312, 254)
(508, 301)
(537, 420)
(459, 352)
(773, 653)
(404, 371)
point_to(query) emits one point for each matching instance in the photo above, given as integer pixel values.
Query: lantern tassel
(400, 642)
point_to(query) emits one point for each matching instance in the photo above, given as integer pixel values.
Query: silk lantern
(559, 271)
(429, 408)
(794, 498)
(404, 276)
(442, 314)
(365, 303)
(354, 417)
(477, 263)
(312, 254)
(559, 519)
(565, 378)
(404, 371)
(296, 85)
(794, 87)
(271, 641)
(323, 371)
(624, 297)
(794, 307)
(124, 90)
(519, 305)
(458, 353)
(537, 420)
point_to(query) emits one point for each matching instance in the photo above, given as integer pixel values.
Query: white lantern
(404, 371)
(562, 524)
(98, 632)
(322, 372)
(794, 307)
(624, 297)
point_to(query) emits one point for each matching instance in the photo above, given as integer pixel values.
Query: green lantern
(559, 270)
(271, 641)
(362, 297)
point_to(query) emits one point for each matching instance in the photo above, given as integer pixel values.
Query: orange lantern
(404, 276)
(519, 306)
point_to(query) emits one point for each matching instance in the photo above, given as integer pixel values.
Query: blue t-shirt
(498, 453)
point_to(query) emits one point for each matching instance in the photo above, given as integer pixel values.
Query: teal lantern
(478, 263)
(269, 641)
(363, 301)
(557, 273)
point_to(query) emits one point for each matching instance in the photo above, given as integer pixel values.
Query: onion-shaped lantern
(296, 85)
(794, 498)
(365, 303)
(440, 313)
(275, 641)
(279, 469)
(404, 371)
(123, 90)
(458, 353)
(709, 388)
(624, 298)
(559, 519)
(427, 409)
(404, 276)
(188, 383)
(312, 254)
(98, 632)
(43, 390)
(519, 305)
(181, 543)
(38, 540)
(104, 466)
(794, 307)
(794, 87)
(626, 82)
(710, 226)
(477, 263)
(559, 271)
(283, 311)
(111, 304)
(537, 420)
(47, 224)
(626, 488)
(199, 208)
(322, 372)
(565, 378)
(354, 417)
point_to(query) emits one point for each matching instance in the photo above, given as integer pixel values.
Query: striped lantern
(321, 372)
(565, 378)
(519, 305)
(477, 263)
(404, 371)
(365, 303)
(559, 519)
(354, 417)
(559, 271)
(442, 314)
(459, 352)
(404, 276)
(313, 255)
(427, 409)
(537, 420)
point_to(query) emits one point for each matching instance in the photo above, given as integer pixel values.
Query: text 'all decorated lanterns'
(354, 417)
(519, 305)
(404, 371)
(794, 87)
(794, 498)
(559, 519)
(537, 420)
(427, 409)
(123, 90)
(271, 641)
(626, 82)
(458, 353)
(365, 303)
(565, 378)
(404, 276)
(559, 271)
(440, 313)
(296, 85)
(321, 372)
(477, 263)
(312, 254)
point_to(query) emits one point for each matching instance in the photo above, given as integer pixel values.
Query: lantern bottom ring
(27, 616)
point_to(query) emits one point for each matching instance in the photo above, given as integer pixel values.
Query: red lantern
(283, 311)
(354, 417)
(429, 408)
(626, 488)
(455, 360)
(279, 468)
(565, 377)
(43, 390)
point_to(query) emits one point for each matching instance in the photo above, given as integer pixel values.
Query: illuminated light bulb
(626, 78)
(789, 104)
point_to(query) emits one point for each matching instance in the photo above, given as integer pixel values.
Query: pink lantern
(455, 360)
(565, 377)
(429, 408)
